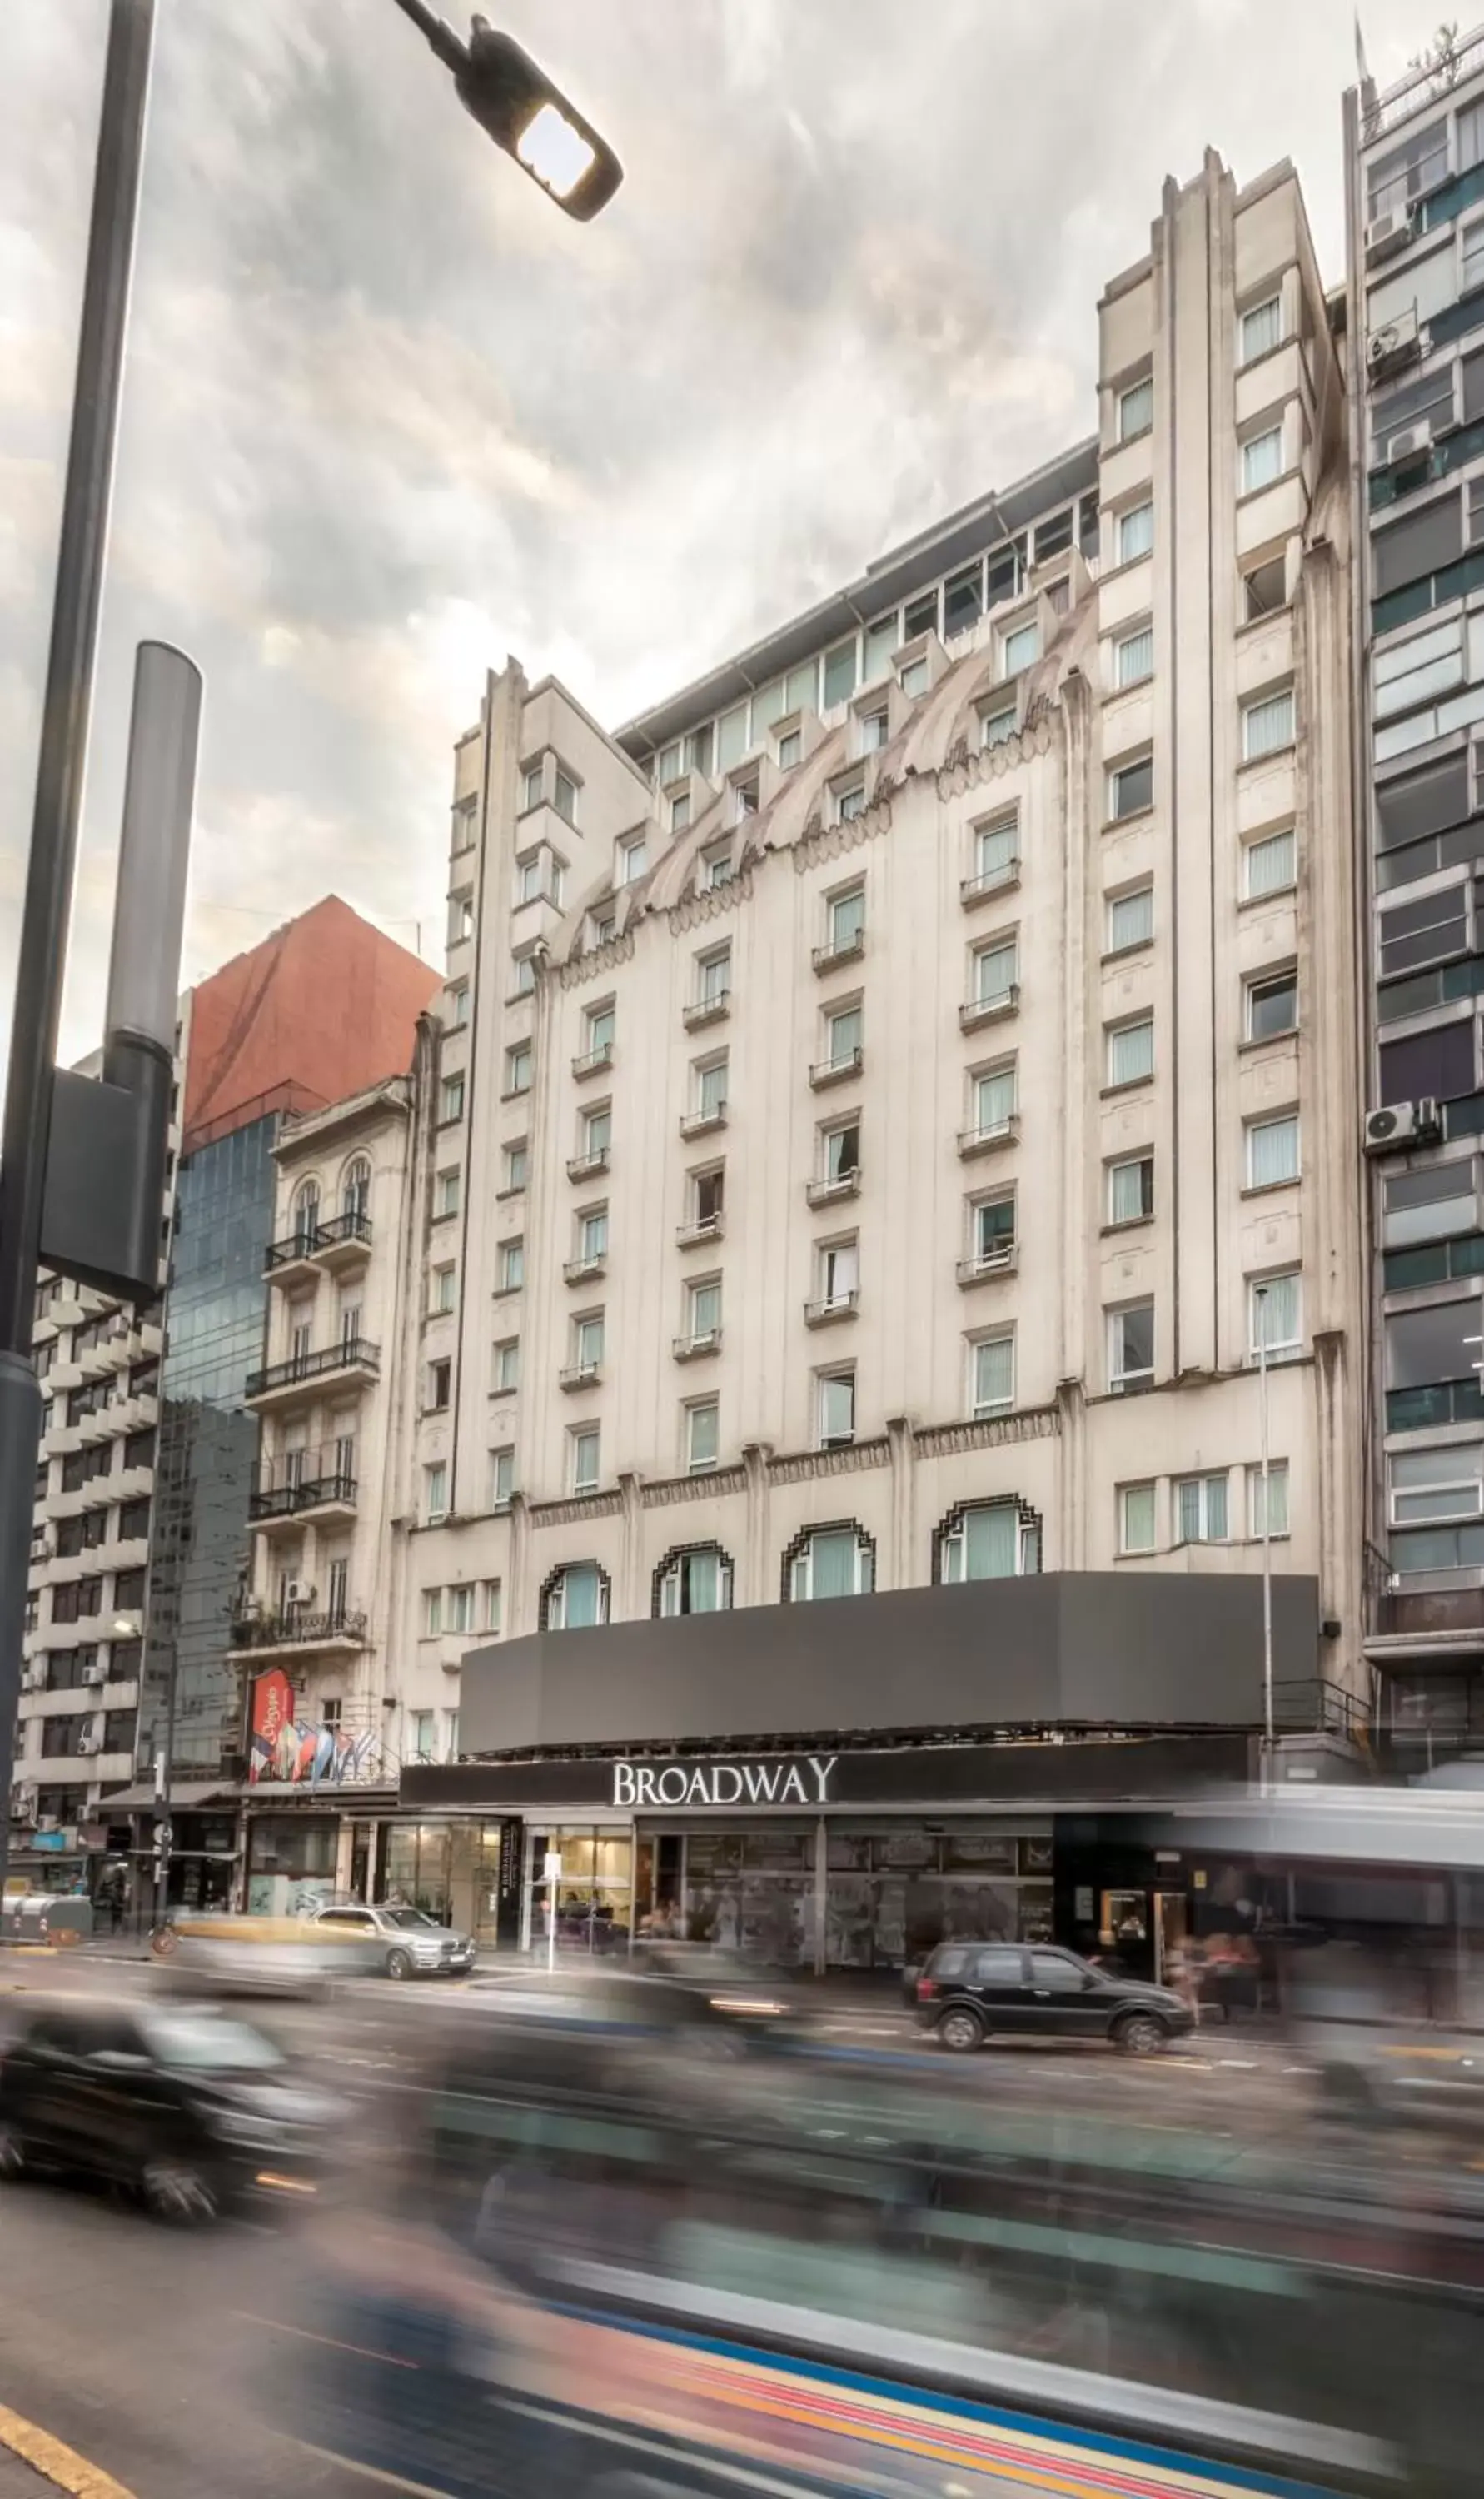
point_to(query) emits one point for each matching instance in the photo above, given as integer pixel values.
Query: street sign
(551, 1866)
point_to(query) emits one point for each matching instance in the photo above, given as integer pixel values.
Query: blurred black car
(190, 2108)
(968, 1992)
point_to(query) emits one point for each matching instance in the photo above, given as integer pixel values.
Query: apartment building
(890, 1098)
(1415, 165)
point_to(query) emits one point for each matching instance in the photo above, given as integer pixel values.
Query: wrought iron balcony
(353, 1354)
(297, 1628)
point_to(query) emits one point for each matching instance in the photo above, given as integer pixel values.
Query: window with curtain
(1130, 919)
(996, 849)
(834, 1561)
(1131, 1189)
(1136, 409)
(994, 1375)
(994, 974)
(1136, 1519)
(1275, 1307)
(1262, 459)
(1273, 1151)
(1131, 1052)
(994, 1100)
(840, 672)
(1131, 1345)
(1134, 658)
(988, 1541)
(839, 1273)
(1267, 727)
(585, 1459)
(702, 1436)
(1136, 533)
(711, 1088)
(1200, 1509)
(1019, 649)
(1276, 1503)
(704, 1310)
(1270, 865)
(836, 1409)
(1260, 329)
(843, 1034)
(578, 1597)
(697, 1582)
(847, 919)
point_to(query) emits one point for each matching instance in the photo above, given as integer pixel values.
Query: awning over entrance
(186, 1796)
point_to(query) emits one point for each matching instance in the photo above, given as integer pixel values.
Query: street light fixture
(516, 104)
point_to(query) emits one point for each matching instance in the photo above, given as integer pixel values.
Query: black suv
(190, 2108)
(968, 1992)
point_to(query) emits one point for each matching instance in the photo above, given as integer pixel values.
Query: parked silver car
(410, 1944)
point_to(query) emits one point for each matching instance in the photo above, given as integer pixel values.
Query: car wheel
(179, 2192)
(1140, 2035)
(399, 1965)
(960, 2030)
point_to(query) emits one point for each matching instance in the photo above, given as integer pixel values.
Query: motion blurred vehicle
(229, 1954)
(968, 1992)
(402, 1943)
(191, 2109)
(45, 1917)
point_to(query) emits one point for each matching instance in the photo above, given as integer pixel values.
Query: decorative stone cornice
(588, 967)
(565, 1513)
(966, 770)
(815, 1463)
(674, 1488)
(995, 1432)
(833, 841)
(712, 903)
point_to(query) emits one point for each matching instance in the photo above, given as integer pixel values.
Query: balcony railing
(837, 1071)
(705, 1227)
(995, 880)
(338, 1231)
(590, 1166)
(848, 951)
(298, 1629)
(980, 1011)
(703, 1011)
(590, 1061)
(690, 1348)
(1443, 1401)
(351, 1354)
(999, 1262)
(830, 1186)
(700, 1122)
(983, 1141)
(580, 1375)
(303, 1480)
(833, 1307)
(578, 1270)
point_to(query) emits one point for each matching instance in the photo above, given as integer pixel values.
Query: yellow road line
(60, 2465)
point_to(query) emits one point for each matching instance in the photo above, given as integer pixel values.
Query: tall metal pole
(66, 709)
(1261, 1298)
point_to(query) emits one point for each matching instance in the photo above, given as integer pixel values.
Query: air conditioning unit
(1402, 1123)
(89, 1744)
(1413, 442)
(1392, 347)
(34, 1677)
(23, 1804)
(1387, 234)
(47, 1822)
(97, 1673)
(298, 1592)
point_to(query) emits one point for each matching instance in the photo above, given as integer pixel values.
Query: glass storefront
(290, 1865)
(595, 1891)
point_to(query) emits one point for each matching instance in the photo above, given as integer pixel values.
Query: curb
(57, 2462)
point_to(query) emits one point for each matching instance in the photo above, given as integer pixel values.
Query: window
(712, 977)
(831, 1562)
(840, 673)
(994, 973)
(669, 766)
(709, 1189)
(1019, 648)
(508, 1365)
(1136, 409)
(512, 1266)
(992, 1375)
(875, 729)
(964, 598)
(1131, 1052)
(1271, 865)
(585, 1447)
(846, 921)
(461, 917)
(997, 726)
(489, 1604)
(1136, 533)
(1134, 658)
(517, 1167)
(446, 1192)
(530, 877)
(434, 1493)
(593, 1234)
(843, 1037)
(1130, 919)
(1425, 665)
(1131, 1189)
(745, 798)
(1275, 1507)
(992, 1228)
(1429, 1486)
(1419, 164)
(680, 811)
(1131, 1345)
(459, 1003)
(518, 1068)
(695, 1582)
(1429, 931)
(501, 1478)
(837, 1274)
(791, 750)
(881, 641)
(439, 1386)
(1273, 1006)
(588, 1337)
(578, 1597)
(1429, 1205)
(565, 796)
(598, 1029)
(630, 860)
(731, 738)
(420, 1725)
(716, 867)
(1200, 1509)
(451, 1098)
(994, 1100)
(703, 1310)
(836, 1408)
(602, 927)
(525, 975)
(597, 1131)
(914, 678)
(1273, 1151)
(850, 803)
(532, 790)
(988, 1542)
(1131, 788)
(1267, 725)
(708, 1078)
(1275, 1309)
(1264, 589)
(1469, 128)
(1262, 459)
(1136, 1519)
(1260, 329)
(432, 1613)
(997, 850)
(842, 1149)
(702, 1436)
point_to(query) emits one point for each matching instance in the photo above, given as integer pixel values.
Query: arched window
(355, 1187)
(835, 1561)
(574, 1597)
(694, 1579)
(307, 1212)
(987, 1540)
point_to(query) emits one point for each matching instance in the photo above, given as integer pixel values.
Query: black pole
(47, 909)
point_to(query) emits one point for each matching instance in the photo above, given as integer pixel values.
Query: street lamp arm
(437, 33)
(517, 105)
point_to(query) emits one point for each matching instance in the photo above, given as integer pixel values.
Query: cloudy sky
(389, 416)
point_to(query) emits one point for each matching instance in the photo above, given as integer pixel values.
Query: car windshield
(409, 1918)
(210, 2044)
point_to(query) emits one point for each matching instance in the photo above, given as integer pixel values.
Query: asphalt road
(146, 2349)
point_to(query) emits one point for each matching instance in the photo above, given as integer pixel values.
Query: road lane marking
(57, 2463)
